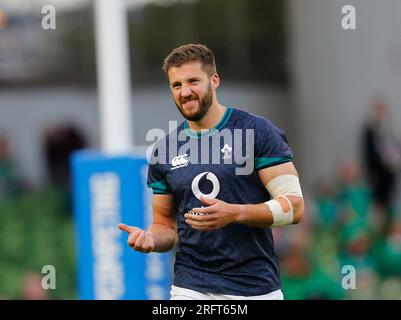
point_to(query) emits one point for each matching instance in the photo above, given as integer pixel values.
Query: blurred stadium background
(334, 91)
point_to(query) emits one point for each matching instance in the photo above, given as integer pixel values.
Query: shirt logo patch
(179, 161)
(227, 151)
(212, 178)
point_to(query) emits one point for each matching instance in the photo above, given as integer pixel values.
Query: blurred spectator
(32, 288)
(357, 230)
(8, 182)
(354, 196)
(382, 157)
(387, 252)
(355, 242)
(303, 277)
(326, 205)
(60, 142)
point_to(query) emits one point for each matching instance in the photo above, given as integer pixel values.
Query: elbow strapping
(299, 210)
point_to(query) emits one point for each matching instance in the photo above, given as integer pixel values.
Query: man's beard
(204, 105)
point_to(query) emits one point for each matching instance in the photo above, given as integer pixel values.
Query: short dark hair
(190, 53)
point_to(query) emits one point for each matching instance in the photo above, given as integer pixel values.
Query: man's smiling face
(192, 89)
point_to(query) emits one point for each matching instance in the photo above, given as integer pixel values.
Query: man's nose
(185, 91)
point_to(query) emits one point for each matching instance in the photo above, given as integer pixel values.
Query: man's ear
(215, 81)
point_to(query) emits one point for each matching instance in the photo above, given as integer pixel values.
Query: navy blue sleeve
(157, 176)
(271, 145)
(157, 180)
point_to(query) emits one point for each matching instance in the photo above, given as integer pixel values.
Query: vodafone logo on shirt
(212, 178)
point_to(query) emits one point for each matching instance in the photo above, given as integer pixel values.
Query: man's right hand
(138, 239)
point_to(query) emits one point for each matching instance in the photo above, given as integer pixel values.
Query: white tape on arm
(281, 187)
(284, 185)
(280, 218)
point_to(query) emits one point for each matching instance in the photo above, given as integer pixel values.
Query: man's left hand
(215, 216)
